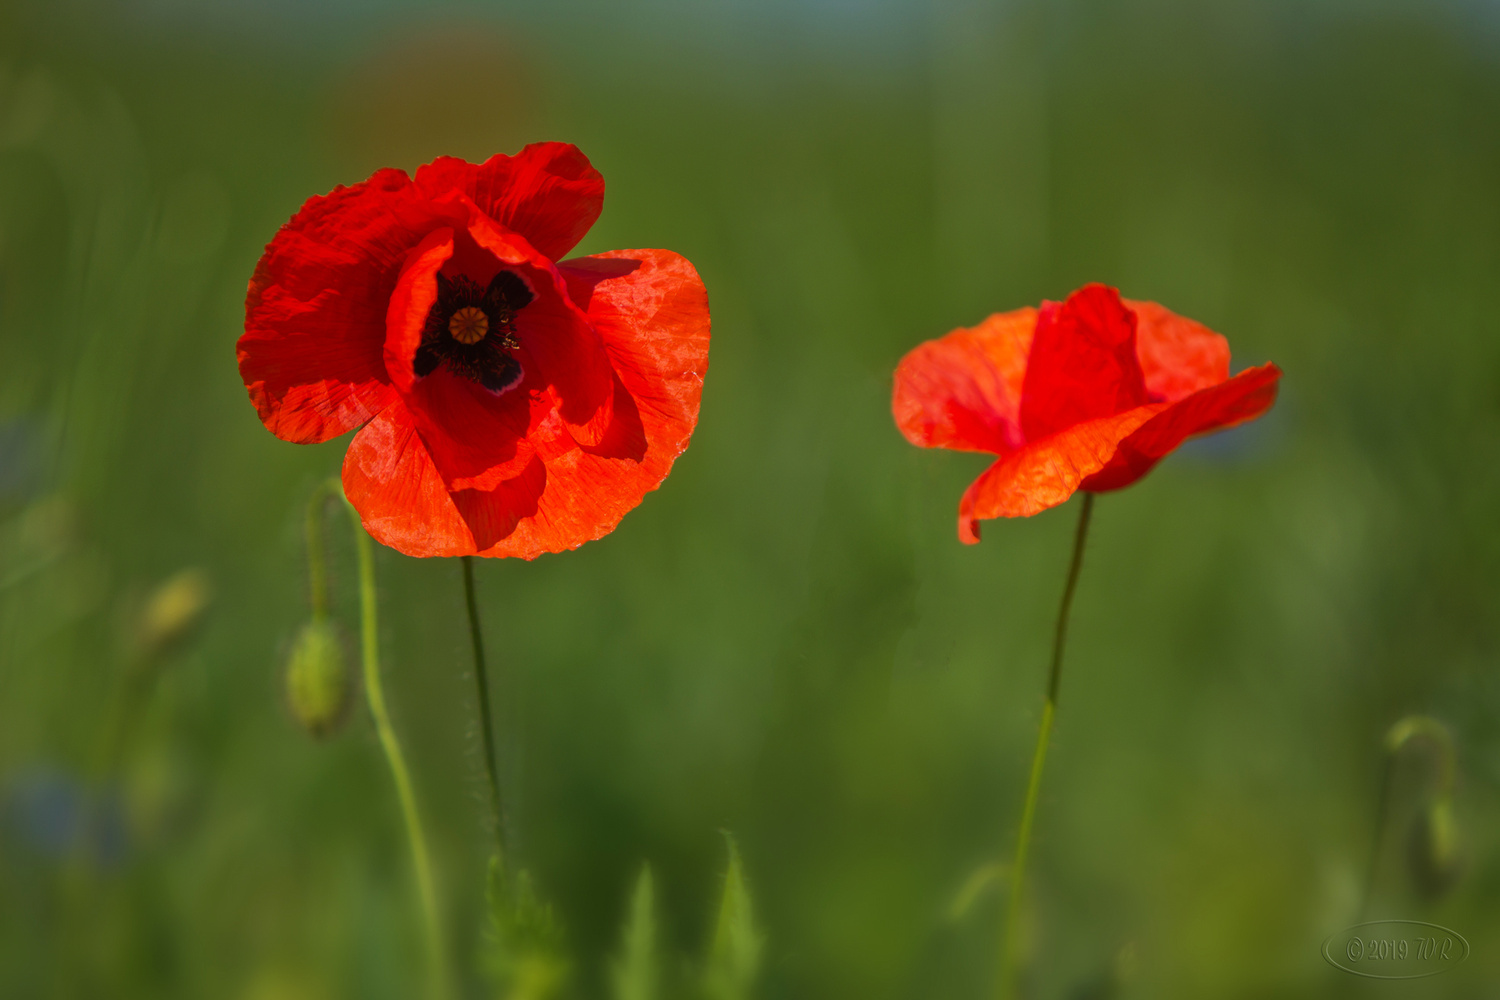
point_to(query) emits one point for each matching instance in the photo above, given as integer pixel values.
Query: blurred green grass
(786, 640)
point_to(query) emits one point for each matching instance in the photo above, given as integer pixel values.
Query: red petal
(403, 502)
(1083, 363)
(412, 300)
(476, 438)
(1244, 397)
(651, 310)
(548, 192)
(1178, 356)
(1045, 473)
(315, 313)
(963, 391)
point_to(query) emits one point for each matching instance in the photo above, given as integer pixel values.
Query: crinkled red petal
(311, 354)
(963, 391)
(1244, 397)
(651, 311)
(402, 500)
(1178, 356)
(548, 192)
(1045, 473)
(492, 514)
(1083, 363)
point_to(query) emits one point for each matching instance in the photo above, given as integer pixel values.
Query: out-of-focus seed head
(172, 611)
(318, 682)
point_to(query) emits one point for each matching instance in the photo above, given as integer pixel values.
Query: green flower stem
(486, 728)
(1005, 987)
(437, 968)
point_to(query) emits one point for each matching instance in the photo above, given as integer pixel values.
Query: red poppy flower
(1085, 394)
(511, 403)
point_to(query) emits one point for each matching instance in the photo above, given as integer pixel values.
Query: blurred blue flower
(20, 459)
(46, 810)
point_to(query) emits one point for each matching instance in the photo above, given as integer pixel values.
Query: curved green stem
(1405, 730)
(1425, 727)
(486, 728)
(375, 693)
(1005, 986)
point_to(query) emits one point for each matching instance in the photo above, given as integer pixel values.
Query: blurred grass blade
(526, 957)
(634, 973)
(735, 957)
(979, 882)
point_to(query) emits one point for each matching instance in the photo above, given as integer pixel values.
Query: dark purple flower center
(472, 330)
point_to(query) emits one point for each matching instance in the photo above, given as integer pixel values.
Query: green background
(786, 640)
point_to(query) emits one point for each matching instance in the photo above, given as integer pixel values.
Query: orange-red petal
(963, 391)
(1083, 363)
(1178, 355)
(1045, 473)
(491, 515)
(1244, 397)
(548, 192)
(651, 311)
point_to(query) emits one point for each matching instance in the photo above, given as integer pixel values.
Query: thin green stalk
(317, 560)
(437, 969)
(1006, 984)
(486, 728)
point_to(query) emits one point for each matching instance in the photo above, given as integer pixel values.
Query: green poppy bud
(318, 684)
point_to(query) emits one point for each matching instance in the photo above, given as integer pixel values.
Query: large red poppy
(511, 403)
(1088, 394)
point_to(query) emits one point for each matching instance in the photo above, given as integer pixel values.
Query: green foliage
(525, 954)
(635, 973)
(735, 955)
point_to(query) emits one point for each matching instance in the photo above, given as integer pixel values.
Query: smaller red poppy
(509, 402)
(1088, 394)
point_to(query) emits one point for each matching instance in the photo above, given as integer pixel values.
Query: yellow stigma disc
(469, 325)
